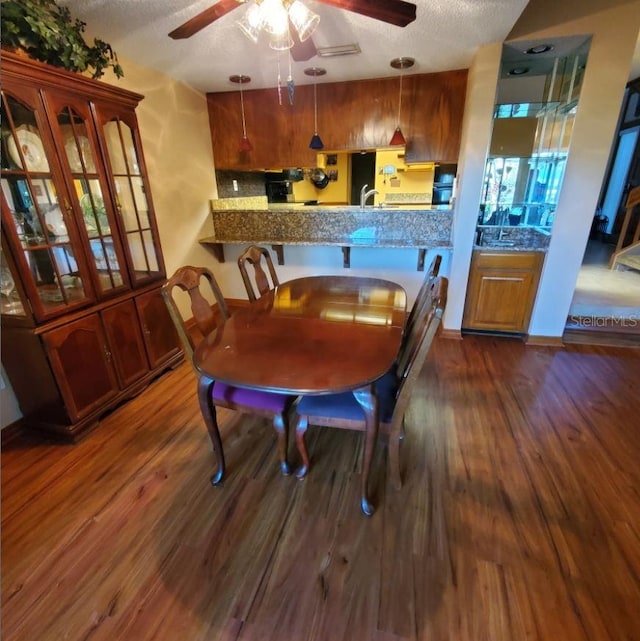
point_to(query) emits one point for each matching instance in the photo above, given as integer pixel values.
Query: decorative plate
(32, 150)
(72, 153)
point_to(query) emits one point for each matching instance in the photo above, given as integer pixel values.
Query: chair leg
(208, 411)
(281, 425)
(301, 430)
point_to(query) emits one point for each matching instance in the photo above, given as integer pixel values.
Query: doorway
(606, 298)
(363, 172)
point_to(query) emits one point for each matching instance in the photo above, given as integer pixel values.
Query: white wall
(615, 33)
(476, 134)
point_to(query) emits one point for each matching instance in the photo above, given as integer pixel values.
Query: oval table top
(311, 335)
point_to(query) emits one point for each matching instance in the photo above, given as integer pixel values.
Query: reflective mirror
(536, 103)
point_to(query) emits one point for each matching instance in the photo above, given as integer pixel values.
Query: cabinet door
(131, 193)
(82, 365)
(125, 342)
(501, 291)
(76, 137)
(40, 229)
(160, 336)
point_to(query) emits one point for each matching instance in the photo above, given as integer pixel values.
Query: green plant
(48, 33)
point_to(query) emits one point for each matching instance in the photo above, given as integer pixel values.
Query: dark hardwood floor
(519, 518)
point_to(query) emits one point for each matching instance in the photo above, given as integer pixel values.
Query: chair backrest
(418, 342)
(430, 276)
(254, 255)
(188, 279)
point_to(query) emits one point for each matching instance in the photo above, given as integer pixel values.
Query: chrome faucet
(364, 195)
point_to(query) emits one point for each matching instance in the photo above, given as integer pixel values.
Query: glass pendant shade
(251, 22)
(281, 42)
(316, 142)
(275, 19)
(303, 19)
(397, 138)
(245, 144)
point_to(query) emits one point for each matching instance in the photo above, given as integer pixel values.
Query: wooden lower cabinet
(158, 331)
(501, 291)
(82, 365)
(66, 375)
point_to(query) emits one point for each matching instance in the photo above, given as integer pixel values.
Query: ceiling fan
(396, 12)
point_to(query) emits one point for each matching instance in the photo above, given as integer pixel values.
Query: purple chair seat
(255, 399)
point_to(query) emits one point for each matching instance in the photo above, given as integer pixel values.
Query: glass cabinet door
(97, 220)
(133, 199)
(38, 226)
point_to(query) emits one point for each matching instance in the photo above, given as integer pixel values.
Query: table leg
(208, 410)
(368, 400)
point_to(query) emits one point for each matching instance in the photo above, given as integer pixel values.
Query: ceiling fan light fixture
(273, 17)
(303, 19)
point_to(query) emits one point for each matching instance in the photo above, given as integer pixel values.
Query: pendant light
(316, 141)
(402, 64)
(245, 144)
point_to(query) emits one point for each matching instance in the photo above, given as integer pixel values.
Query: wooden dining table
(311, 335)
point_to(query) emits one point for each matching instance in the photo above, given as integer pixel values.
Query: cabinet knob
(107, 353)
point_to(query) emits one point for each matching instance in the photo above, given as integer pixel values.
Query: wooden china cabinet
(84, 325)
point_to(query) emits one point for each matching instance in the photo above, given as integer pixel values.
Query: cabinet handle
(107, 353)
(145, 329)
(67, 206)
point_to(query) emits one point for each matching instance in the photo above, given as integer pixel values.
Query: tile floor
(602, 292)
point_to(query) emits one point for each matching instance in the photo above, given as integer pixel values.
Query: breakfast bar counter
(421, 228)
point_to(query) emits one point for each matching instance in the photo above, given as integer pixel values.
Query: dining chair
(254, 255)
(430, 275)
(270, 405)
(393, 390)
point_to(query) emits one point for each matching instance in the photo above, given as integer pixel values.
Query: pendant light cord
(244, 125)
(400, 99)
(315, 109)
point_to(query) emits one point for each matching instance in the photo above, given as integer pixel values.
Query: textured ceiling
(444, 36)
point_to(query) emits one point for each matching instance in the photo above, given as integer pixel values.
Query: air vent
(340, 50)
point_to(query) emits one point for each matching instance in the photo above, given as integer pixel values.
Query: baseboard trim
(544, 341)
(452, 334)
(11, 432)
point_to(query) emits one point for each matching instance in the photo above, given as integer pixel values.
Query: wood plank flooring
(519, 519)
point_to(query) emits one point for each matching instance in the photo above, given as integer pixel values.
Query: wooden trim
(11, 432)
(544, 341)
(453, 334)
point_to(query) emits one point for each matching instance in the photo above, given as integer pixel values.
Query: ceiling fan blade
(301, 51)
(397, 12)
(204, 19)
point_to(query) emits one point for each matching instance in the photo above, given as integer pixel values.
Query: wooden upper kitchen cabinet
(83, 327)
(351, 115)
(501, 291)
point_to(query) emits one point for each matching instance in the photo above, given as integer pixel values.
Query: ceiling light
(402, 64)
(539, 49)
(245, 145)
(518, 71)
(316, 141)
(274, 17)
